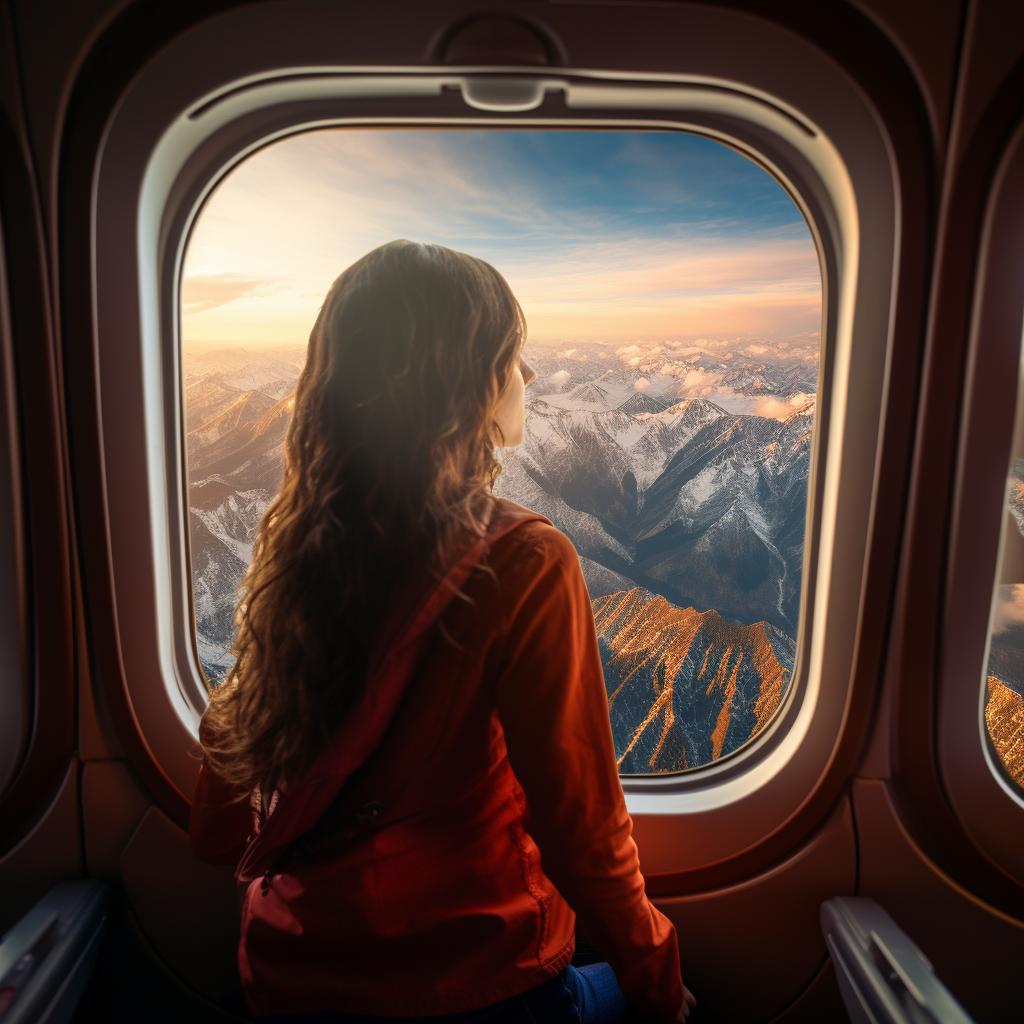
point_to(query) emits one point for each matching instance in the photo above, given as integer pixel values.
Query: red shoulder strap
(301, 806)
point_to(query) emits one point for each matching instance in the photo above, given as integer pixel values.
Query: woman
(418, 701)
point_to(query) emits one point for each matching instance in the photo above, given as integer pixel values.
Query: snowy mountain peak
(642, 403)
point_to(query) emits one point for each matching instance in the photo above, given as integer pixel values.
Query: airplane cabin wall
(751, 946)
(41, 836)
(916, 856)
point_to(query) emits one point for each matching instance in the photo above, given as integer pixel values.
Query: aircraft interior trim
(879, 807)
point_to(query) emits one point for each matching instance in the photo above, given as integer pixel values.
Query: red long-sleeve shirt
(446, 875)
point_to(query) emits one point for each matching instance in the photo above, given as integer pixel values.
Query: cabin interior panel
(751, 950)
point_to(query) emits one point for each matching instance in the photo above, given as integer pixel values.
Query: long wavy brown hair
(389, 465)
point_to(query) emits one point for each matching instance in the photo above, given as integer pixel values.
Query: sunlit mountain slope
(685, 687)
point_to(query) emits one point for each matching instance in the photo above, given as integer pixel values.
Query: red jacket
(403, 875)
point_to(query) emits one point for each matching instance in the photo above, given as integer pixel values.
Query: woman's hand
(687, 1005)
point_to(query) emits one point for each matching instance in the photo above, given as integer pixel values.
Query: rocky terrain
(684, 686)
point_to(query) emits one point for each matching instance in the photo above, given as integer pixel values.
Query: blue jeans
(579, 995)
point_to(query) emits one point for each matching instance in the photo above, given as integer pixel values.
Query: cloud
(772, 408)
(200, 292)
(688, 267)
(1009, 612)
(559, 377)
(698, 380)
(757, 350)
(633, 287)
(641, 383)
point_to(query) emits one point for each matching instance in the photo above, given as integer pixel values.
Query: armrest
(884, 978)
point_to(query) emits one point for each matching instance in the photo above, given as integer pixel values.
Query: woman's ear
(528, 372)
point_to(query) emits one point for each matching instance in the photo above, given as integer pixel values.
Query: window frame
(697, 109)
(989, 805)
(16, 696)
(682, 822)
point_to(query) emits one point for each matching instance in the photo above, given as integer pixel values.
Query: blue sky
(602, 234)
(573, 187)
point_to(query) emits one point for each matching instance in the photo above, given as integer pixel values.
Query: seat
(47, 957)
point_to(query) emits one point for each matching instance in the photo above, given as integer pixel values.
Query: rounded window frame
(188, 207)
(857, 305)
(988, 804)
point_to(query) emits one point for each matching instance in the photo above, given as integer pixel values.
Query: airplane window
(1003, 683)
(673, 296)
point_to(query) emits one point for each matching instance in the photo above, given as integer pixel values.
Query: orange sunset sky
(602, 235)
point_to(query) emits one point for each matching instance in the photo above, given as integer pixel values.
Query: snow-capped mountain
(248, 406)
(216, 379)
(697, 504)
(679, 475)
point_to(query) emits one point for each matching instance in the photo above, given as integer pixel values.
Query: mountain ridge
(741, 681)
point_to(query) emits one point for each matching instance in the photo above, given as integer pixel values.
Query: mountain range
(702, 506)
(688, 516)
(235, 448)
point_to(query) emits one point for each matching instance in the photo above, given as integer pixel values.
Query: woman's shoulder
(526, 538)
(532, 565)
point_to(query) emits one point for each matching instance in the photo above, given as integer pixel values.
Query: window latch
(505, 94)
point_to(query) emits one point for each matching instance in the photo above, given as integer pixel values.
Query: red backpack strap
(302, 804)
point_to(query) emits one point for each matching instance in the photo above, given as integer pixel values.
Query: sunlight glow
(602, 235)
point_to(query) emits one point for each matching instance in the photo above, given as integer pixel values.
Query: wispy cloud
(202, 292)
(1009, 612)
(610, 271)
